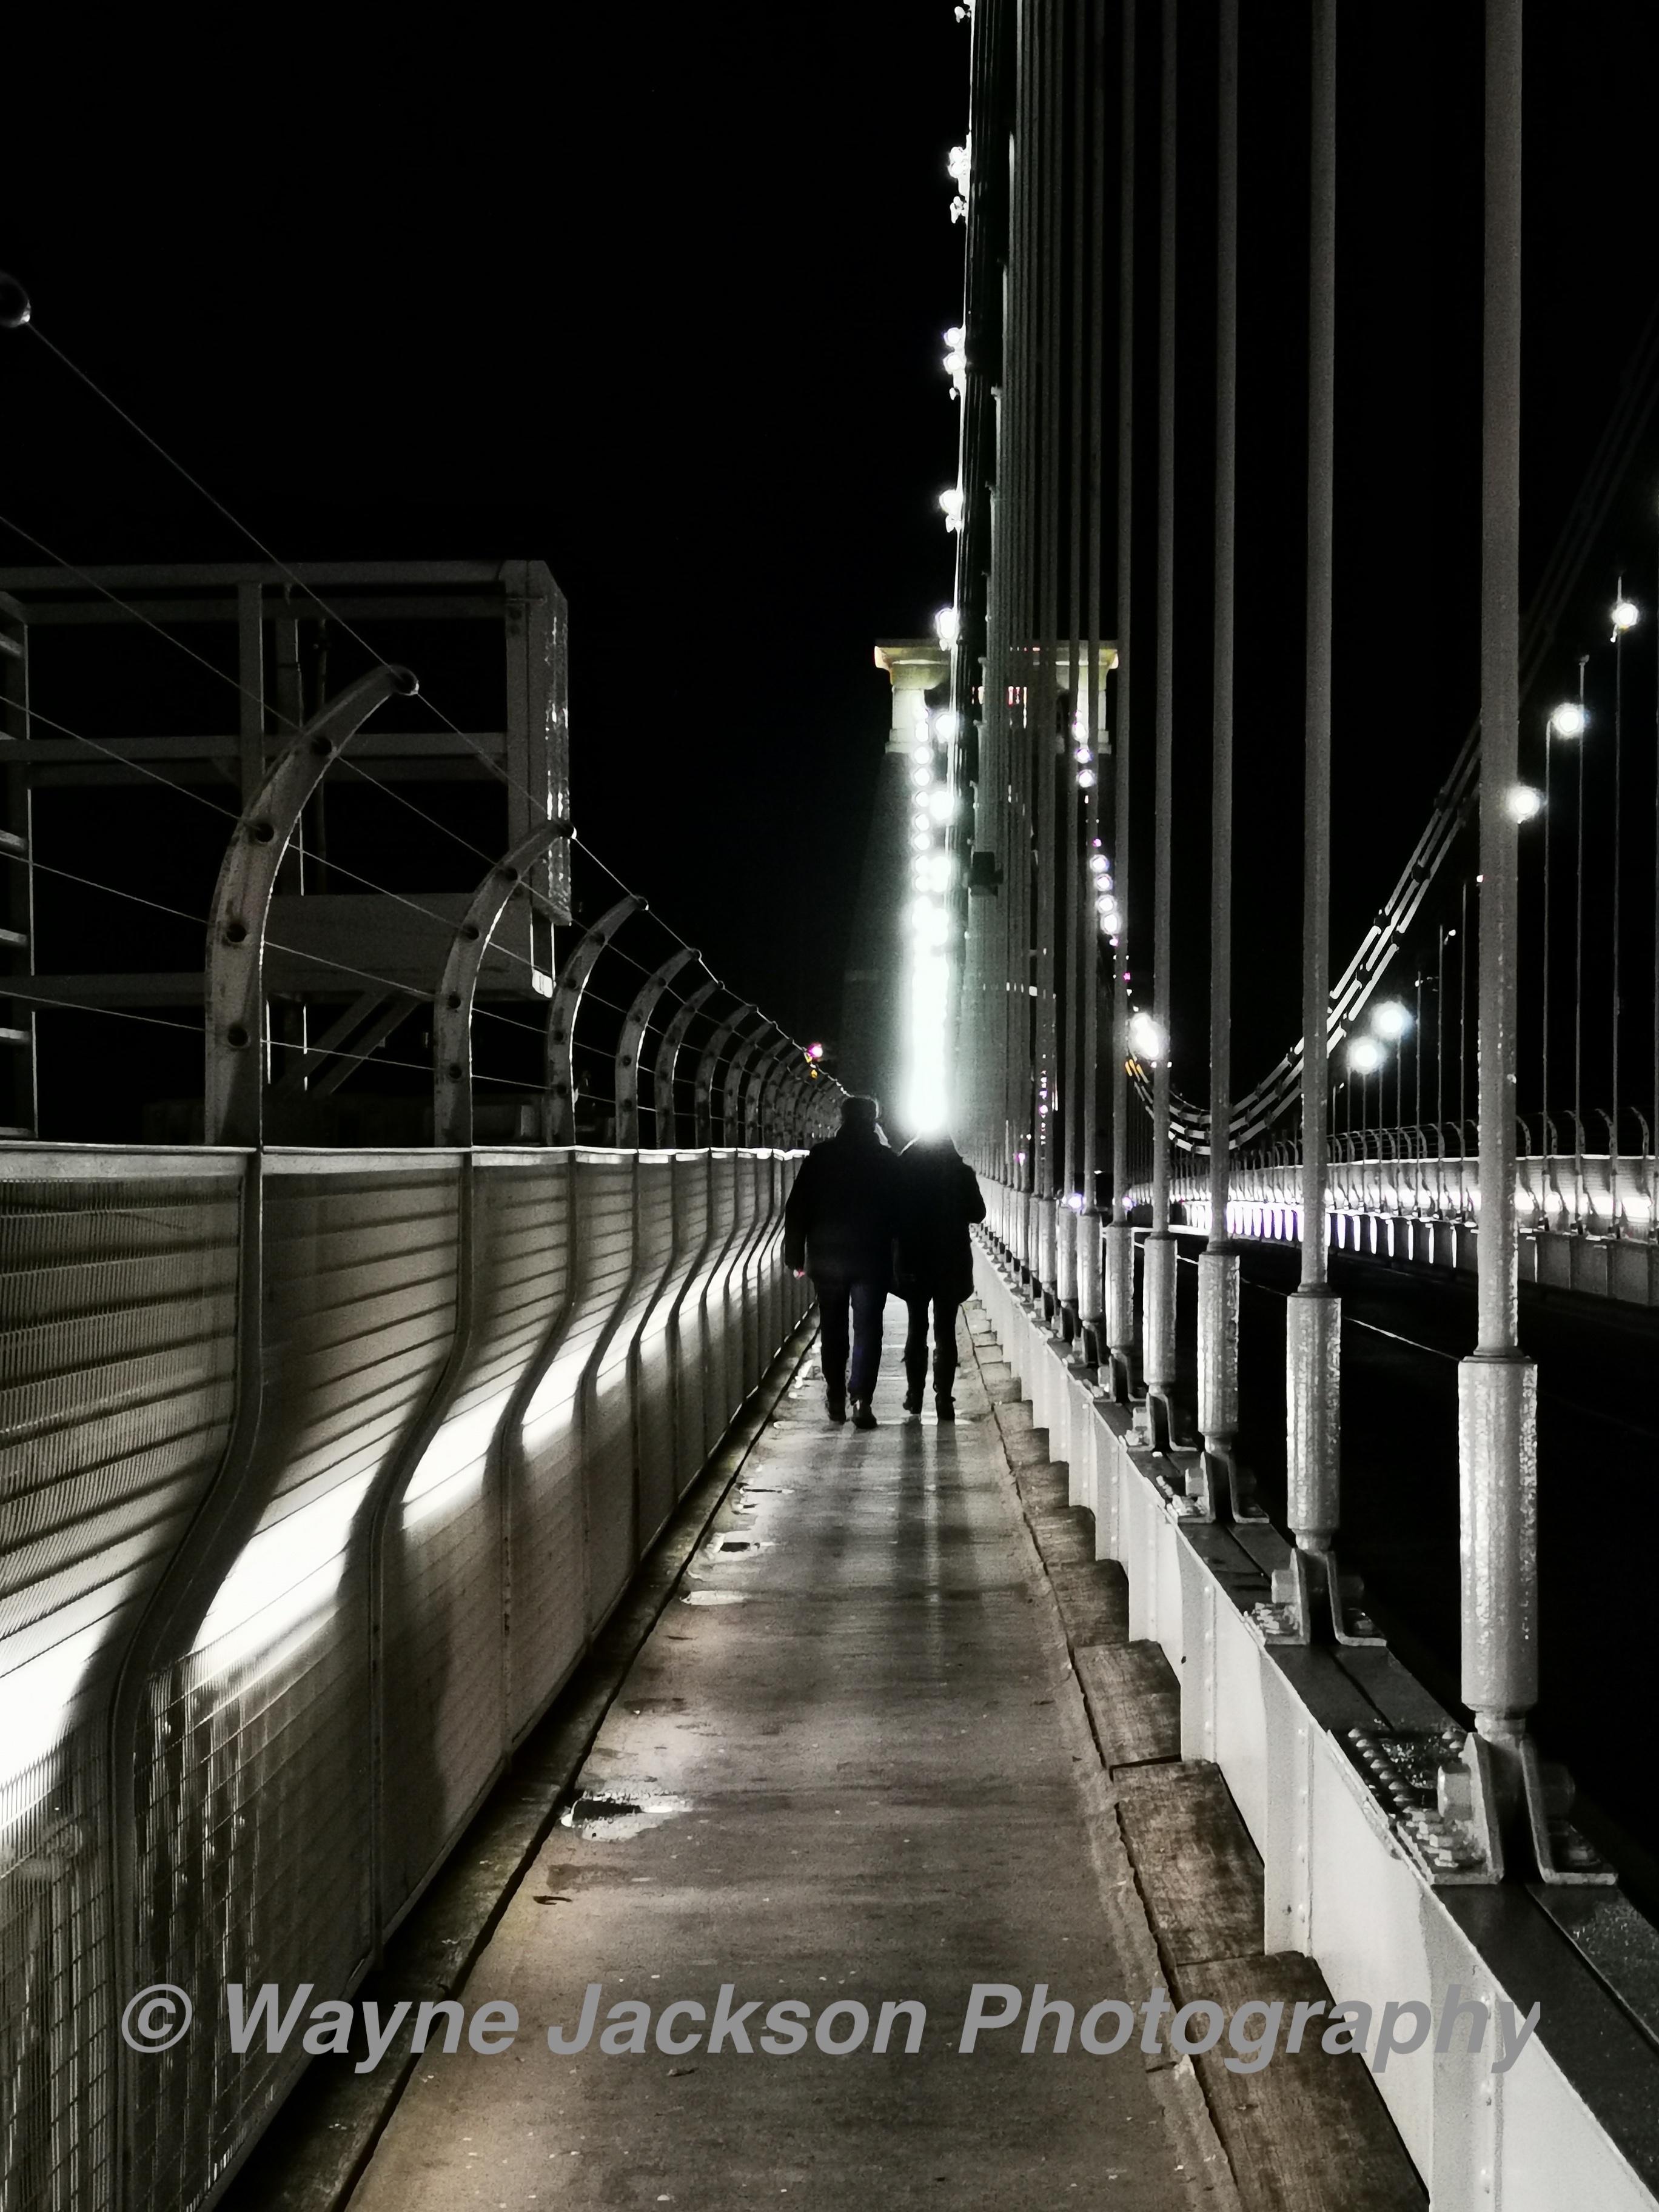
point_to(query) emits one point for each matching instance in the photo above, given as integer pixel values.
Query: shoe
(862, 1417)
(944, 1409)
(835, 1408)
(913, 1405)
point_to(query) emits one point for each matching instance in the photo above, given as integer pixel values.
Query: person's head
(859, 1116)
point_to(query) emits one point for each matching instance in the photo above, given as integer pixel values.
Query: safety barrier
(321, 1471)
(1289, 1726)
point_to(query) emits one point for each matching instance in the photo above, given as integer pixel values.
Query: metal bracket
(636, 1022)
(738, 1071)
(763, 1073)
(1310, 1597)
(764, 1089)
(452, 1013)
(560, 1111)
(233, 983)
(1564, 1857)
(703, 1084)
(668, 1053)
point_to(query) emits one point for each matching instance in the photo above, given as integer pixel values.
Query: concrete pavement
(850, 1767)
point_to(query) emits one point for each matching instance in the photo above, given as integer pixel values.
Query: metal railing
(325, 1470)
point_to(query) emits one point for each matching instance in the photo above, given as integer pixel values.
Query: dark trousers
(944, 1342)
(866, 1301)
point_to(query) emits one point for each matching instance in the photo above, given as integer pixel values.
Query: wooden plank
(1198, 1871)
(1310, 2130)
(1134, 1701)
(1094, 1602)
(1065, 1537)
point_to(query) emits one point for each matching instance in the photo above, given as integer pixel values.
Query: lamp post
(1568, 720)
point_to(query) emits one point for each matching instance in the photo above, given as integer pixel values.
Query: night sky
(656, 294)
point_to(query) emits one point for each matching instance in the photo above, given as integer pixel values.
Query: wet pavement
(850, 1767)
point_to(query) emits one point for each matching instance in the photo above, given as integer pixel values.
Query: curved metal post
(765, 1078)
(452, 1013)
(234, 984)
(738, 1071)
(668, 1053)
(704, 1082)
(636, 1022)
(559, 1106)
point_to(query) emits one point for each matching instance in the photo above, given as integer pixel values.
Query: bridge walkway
(852, 1764)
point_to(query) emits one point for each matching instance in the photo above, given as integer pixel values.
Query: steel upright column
(1313, 1315)
(1217, 1265)
(1119, 1237)
(1159, 1291)
(1497, 1384)
(1091, 1285)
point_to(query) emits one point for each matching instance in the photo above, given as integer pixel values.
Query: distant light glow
(947, 623)
(1364, 1056)
(946, 723)
(815, 1052)
(1146, 1040)
(1390, 1019)
(1569, 719)
(1085, 779)
(1626, 615)
(1522, 802)
(950, 503)
(942, 803)
(941, 871)
(1099, 863)
(956, 359)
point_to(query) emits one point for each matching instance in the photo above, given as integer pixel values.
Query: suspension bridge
(433, 1611)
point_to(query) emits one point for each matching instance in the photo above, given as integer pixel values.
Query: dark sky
(653, 294)
(656, 293)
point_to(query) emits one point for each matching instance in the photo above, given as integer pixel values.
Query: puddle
(726, 1547)
(712, 1597)
(594, 1812)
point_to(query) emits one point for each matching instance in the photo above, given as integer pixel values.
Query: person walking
(838, 1227)
(939, 1199)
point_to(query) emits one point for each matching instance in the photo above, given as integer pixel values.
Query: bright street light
(1390, 1019)
(1364, 1056)
(1569, 719)
(1524, 802)
(1626, 615)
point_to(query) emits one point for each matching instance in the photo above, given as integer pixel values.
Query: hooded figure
(939, 1199)
(838, 1227)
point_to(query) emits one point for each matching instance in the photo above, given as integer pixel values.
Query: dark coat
(842, 1211)
(939, 1198)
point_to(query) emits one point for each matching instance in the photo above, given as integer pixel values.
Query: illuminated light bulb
(942, 803)
(1390, 1019)
(941, 874)
(1085, 779)
(1099, 863)
(920, 841)
(946, 723)
(947, 624)
(1083, 756)
(1569, 719)
(1364, 1056)
(1146, 1040)
(1626, 616)
(815, 1052)
(950, 504)
(1522, 802)
(921, 775)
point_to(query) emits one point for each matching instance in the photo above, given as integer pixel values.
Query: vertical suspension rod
(1218, 1363)
(1313, 1347)
(1119, 1240)
(1160, 1257)
(1497, 1385)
